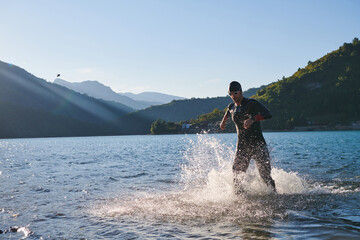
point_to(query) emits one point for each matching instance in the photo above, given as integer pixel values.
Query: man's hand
(248, 122)
(223, 122)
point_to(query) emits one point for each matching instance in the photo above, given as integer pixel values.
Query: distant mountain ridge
(178, 110)
(152, 96)
(32, 107)
(100, 91)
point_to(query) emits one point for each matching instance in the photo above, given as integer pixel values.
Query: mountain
(175, 111)
(152, 97)
(252, 91)
(323, 95)
(326, 92)
(182, 110)
(139, 122)
(98, 90)
(32, 107)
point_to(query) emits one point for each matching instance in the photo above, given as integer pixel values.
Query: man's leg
(262, 160)
(241, 164)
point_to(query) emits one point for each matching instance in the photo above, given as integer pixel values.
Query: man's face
(235, 95)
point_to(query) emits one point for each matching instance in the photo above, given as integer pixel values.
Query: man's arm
(226, 116)
(262, 113)
(224, 120)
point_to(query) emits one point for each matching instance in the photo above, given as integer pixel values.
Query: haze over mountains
(100, 91)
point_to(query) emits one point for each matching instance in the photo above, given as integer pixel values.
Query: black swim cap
(235, 86)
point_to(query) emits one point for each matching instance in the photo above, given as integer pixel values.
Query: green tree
(355, 41)
(162, 127)
(158, 127)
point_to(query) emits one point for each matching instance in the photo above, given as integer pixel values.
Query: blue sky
(188, 48)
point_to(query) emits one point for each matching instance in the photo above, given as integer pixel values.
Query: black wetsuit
(251, 143)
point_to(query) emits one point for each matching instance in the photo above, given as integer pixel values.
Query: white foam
(26, 231)
(288, 182)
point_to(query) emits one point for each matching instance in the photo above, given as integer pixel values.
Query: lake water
(178, 187)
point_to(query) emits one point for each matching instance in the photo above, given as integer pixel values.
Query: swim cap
(235, 86)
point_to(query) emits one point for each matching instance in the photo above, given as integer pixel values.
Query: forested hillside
(324, 94)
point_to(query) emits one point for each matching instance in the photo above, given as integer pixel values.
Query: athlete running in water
(247, 113)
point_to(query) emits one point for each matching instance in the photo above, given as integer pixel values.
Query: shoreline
(196, 132)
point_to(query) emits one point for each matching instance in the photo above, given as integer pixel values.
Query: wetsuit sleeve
(260, 112)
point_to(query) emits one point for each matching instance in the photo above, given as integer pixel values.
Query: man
(247, 113)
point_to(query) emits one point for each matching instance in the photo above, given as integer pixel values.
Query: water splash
(209, 168)
(206, 173)
(207, 192)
